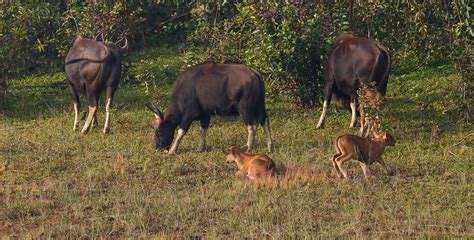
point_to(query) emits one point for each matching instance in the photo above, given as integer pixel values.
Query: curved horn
(158, 113)
(101, 37)
(125, 46)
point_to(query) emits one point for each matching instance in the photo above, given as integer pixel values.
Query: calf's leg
(365, 169)
(340, 160)
(334, 165)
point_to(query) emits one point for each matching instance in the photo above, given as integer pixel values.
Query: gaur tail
(382, 60)
(262, 113)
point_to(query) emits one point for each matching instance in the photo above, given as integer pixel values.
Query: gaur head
(120, 50)
(232, 153)
(385, 137)
(164, 129)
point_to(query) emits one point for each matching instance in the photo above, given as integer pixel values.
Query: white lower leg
(107, 116)
(90, 118)
(94, 122)
(76, 117)
(202, 145)
(354, 113)
(266, 128)
(323, 114)
(176, 142)
(251, 137)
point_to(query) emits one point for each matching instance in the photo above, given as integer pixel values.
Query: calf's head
(232, 153)
(385, 137)
(374, 98)
(164, 129)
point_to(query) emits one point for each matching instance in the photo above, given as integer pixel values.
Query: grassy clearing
(60, 183)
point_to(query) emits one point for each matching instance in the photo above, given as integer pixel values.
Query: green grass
(63, 184)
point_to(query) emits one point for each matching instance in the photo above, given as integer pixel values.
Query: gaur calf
(373, 102)
(91, 69)
(365, 150)
(251, 166)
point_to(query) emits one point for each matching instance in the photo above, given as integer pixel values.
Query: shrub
(282, 41)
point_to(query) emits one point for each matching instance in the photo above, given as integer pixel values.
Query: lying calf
(252, 166)
(365, 150)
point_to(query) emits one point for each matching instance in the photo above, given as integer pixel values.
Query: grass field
(60, 183)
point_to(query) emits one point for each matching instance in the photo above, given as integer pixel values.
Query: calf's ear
(244, 148)
(226, 151)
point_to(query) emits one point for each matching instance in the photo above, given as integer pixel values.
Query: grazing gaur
(252, 166)
(373, 100)
(354, 61)
(210, 88)
(362, 149)
(92, 68)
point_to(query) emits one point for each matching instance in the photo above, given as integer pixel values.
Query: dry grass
(60, 183)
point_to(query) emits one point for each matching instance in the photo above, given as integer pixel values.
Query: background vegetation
(55, 182)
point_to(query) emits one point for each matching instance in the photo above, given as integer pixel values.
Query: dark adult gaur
(354, 61)
(207, 89)
(92, 68)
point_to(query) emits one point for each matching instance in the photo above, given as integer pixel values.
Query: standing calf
(92, 68)
(362, 149)
(252, 166)
(206, 89)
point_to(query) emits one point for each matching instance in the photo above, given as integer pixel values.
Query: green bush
(282, 41)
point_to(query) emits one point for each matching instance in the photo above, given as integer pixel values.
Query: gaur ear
(155, 122)
(101, 35)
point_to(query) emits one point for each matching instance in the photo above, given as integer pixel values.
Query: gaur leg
(183, 128)
(204, 126)
(94, 122)
(109, 94)
(266, 128)
(327, 101)
(365, 169)
(354, 112)
(252, 129)
(93, 100)
(77, 106)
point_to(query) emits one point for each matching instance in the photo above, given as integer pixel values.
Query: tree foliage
(287, 41)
